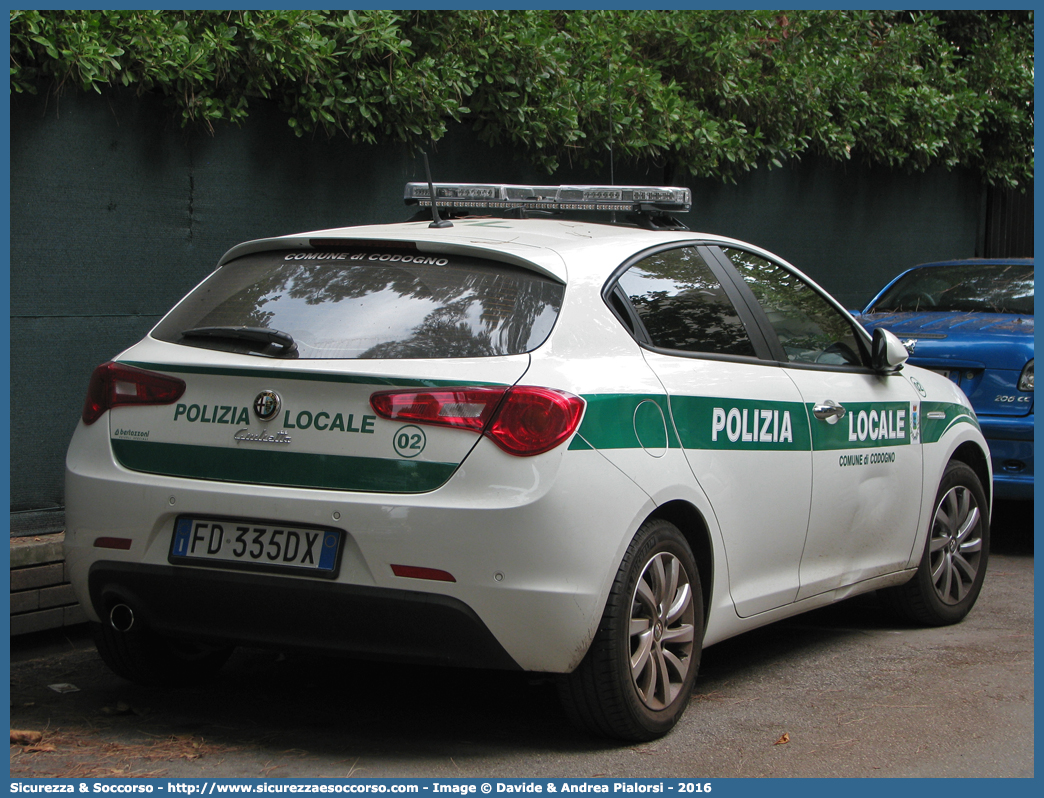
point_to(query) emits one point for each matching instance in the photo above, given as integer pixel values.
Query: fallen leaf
(783, 740)
(45, 748)
(19, 737)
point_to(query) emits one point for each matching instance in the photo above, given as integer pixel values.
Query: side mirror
(887, 352)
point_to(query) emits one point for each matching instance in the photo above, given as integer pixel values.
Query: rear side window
(682, 305)
(359, 304)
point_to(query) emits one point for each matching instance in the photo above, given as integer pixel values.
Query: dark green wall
(116, 212)
(849, 228)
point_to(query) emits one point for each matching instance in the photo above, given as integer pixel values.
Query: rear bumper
(270, 612)
(532, 562)
(1011, 450)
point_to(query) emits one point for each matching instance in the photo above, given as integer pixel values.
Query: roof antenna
(612, 177)
(435, 220)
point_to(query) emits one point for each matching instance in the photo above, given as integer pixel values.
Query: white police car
(513, 442)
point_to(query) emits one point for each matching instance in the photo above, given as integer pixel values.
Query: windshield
(965, 288)
(366, 303)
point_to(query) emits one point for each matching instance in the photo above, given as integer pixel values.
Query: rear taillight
(523, 420)
(535, 420)
(470, 408)
(114, 384)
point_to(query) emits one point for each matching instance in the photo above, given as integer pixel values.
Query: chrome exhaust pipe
(121, 618)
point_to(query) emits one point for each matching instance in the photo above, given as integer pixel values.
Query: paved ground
(856, 693)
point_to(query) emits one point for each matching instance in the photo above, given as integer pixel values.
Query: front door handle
(829, 411)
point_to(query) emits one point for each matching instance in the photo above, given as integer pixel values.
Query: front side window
(683, 306)
(361, 304)
(808, 327)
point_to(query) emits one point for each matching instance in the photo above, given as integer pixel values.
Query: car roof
(559, 247)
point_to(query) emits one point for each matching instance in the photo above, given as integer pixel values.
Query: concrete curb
(41, 596)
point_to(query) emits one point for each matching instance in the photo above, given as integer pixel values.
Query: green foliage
(710, 92)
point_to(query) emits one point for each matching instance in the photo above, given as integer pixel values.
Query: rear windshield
(965, 288)
(370, 303)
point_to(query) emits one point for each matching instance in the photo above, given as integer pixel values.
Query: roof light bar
(551, 198)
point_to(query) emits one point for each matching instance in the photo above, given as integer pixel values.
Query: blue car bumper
(1011, 450)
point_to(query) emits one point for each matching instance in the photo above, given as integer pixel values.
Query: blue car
(972, 320)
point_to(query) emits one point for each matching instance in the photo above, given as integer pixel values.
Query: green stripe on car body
(938, 417)
(614, 421)
(865, 425)
(721, 423)
(282, 468)
(611, 421)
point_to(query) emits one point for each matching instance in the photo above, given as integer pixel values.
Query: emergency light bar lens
(552, 198)
(463, 191)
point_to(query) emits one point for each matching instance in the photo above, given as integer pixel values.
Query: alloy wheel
(661, 630)
(956, 545)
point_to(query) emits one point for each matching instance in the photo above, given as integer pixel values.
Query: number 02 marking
(409, 441)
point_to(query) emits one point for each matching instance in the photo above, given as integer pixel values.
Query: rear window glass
(369, 303)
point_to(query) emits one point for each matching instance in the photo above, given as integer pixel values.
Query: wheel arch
(974, 457)
(692, 525)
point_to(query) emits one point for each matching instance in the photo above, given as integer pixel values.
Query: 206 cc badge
(266, 405)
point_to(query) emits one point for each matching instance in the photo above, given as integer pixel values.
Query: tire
(146, 658)
(654, 618)
(949, 576)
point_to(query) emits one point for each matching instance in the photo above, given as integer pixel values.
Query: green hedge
(709, 92)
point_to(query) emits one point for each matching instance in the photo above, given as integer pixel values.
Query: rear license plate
(253, 545)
